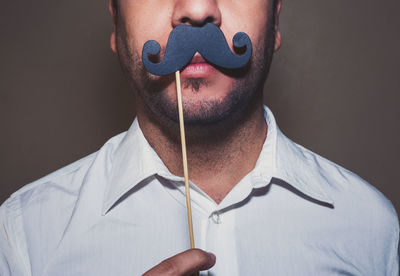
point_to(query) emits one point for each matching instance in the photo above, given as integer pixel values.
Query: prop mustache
(185, 40)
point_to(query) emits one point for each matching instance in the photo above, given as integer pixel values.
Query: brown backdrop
(334, 86)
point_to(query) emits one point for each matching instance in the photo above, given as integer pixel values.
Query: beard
(204, 116)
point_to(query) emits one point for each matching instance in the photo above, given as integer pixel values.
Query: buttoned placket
(215, 224)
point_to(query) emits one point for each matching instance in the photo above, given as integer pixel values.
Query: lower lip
(198, 70)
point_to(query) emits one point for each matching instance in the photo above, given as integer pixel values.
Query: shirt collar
(134, 160)
(283, 159)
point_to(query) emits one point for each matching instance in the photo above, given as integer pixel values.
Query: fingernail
(212, 256)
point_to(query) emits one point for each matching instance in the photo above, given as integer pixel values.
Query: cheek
(141, 23)
(253, 16)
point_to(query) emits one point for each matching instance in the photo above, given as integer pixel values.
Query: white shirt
(120, 212)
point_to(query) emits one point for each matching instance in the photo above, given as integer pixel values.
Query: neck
(217, 161)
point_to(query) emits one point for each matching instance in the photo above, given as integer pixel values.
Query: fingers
(182, 264)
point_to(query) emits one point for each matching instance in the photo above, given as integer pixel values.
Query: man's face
(209, 94)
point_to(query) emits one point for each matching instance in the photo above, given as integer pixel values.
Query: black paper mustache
(185, 40)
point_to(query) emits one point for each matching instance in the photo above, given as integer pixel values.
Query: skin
(185, 263)
(220, 133)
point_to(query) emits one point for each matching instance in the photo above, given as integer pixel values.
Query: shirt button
(216, 217)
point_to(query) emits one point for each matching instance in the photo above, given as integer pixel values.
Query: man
(262, 204)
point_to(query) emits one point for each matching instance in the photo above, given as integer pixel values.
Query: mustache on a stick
(185, 40)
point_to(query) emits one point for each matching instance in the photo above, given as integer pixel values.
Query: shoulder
(358, 205)
(350, 190)
(34, 218)
(355, 201)
(36, 215)
(44, 203)
(338, 183)
(40, 207)
(65, 181)
(363, 222)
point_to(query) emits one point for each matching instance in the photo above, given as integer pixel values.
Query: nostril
(197, 22)
(196, 13)
(185, 20)
(209, 19)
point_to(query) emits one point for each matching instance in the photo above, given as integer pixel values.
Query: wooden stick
(184, 157)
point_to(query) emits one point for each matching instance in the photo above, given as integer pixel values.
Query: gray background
(334, 86)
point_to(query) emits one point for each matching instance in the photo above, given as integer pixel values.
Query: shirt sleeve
(11, 264)
(394, 264)
(393, 268)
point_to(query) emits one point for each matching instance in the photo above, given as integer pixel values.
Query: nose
(196, 12)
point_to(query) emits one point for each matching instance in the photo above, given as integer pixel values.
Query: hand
(183, 264)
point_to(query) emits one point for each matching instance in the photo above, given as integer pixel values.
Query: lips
(198, 68)
(197, 58)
